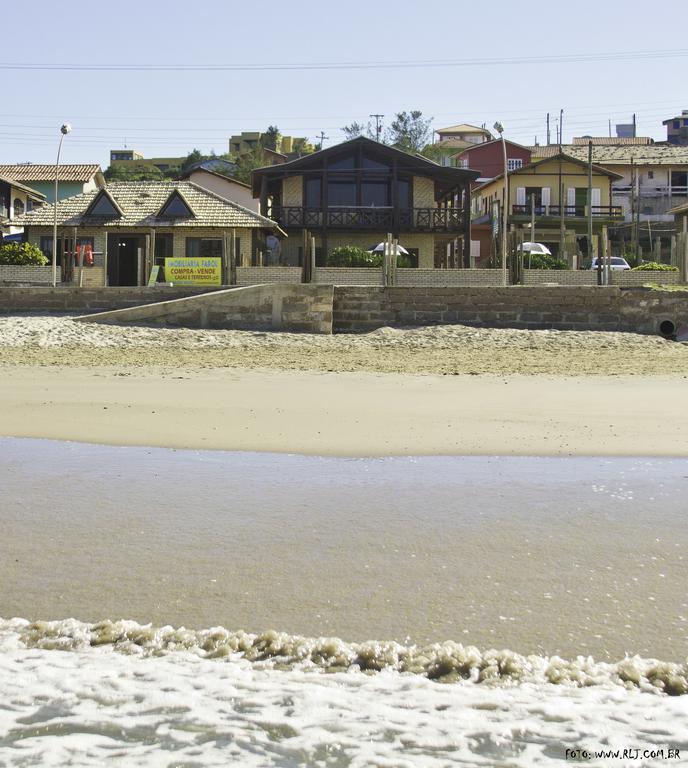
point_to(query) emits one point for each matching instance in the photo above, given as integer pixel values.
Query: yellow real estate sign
(194, 271)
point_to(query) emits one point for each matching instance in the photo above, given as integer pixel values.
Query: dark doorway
(124, 254)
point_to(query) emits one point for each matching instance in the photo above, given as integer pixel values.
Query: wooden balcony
(369, 218)
(609, 212)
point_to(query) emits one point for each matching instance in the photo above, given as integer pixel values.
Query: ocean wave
(445, 662)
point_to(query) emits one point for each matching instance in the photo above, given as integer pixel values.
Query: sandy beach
(441, 390)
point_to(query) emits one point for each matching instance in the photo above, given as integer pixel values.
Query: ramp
(271, 307)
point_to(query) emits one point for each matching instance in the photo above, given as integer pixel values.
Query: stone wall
(295, 308)
(639, 310)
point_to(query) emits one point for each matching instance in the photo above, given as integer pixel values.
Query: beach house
(129, 228)
(356, 192)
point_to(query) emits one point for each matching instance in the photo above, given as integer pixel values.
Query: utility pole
(561, 126)
(548, 134)
(590, 251)
(378, 125)
(322, 138)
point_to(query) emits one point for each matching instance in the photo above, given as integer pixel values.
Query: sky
(310, 68)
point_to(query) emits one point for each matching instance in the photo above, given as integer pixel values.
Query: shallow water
(389, 581)
(539, 555)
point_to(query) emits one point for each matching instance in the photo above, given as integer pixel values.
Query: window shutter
(520, 195)
(545, 196)
(571, 197)
(596, 197)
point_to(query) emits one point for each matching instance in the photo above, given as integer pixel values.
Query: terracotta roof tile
(46, 172)
(140, 202)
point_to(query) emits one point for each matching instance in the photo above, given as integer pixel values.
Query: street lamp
(64, 130)
(505, 205)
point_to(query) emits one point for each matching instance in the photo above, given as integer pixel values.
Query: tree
(433, 152)
(247, 162)
(355, 129)
(409, 131)
(271, 138)
(133, 173)
(195, 156)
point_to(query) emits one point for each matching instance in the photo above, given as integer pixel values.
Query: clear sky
(168, 113)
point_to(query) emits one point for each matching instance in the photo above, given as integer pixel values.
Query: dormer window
(104, 205)
(176, 207)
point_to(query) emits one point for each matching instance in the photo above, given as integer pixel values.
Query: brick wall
(566, 308)
(74, 300)
(589, 277)
(349, 275)
(260, 275)
(448, 277)
(27, 275)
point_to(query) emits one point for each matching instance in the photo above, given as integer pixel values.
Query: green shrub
(654, 266)
(21, 254)
(542, 261)
(353, 256)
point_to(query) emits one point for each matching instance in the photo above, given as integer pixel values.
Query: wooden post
(232, 258)
(152, 255)
(73, 258)
(467, 226)
(305, 262)
(603, 256)
(386, 259)
(519, 261)
(312, 261)
(683, 252)
(223, 262)
(393, 261)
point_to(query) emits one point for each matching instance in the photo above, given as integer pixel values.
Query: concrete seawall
(327, 308)
(280, 307)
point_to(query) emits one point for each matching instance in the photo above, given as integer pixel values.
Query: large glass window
(202, 247)
(46, 246)
(404, 193)
(342, 164)
(313, 194)
(341, 192)
(375, 192)
(163, 247)
(369, 162)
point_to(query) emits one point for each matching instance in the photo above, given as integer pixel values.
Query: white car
(615, 262)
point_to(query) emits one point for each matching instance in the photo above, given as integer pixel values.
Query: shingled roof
(18, 185)
(650, 154)
(45, 172)
(141, 202)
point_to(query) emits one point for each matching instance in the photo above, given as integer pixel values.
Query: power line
(401, 64)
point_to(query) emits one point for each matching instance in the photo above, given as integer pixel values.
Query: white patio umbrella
(535, 248)
(381, 249)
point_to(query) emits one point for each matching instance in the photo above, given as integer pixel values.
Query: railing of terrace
(571, 211)
(373, 218)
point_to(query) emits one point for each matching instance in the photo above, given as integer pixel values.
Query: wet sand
(348, 414)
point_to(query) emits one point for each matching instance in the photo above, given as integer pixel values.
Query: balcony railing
(571, 211)
(377, 218)
(648, 189)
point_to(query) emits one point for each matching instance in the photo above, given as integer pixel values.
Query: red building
(488, 158)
